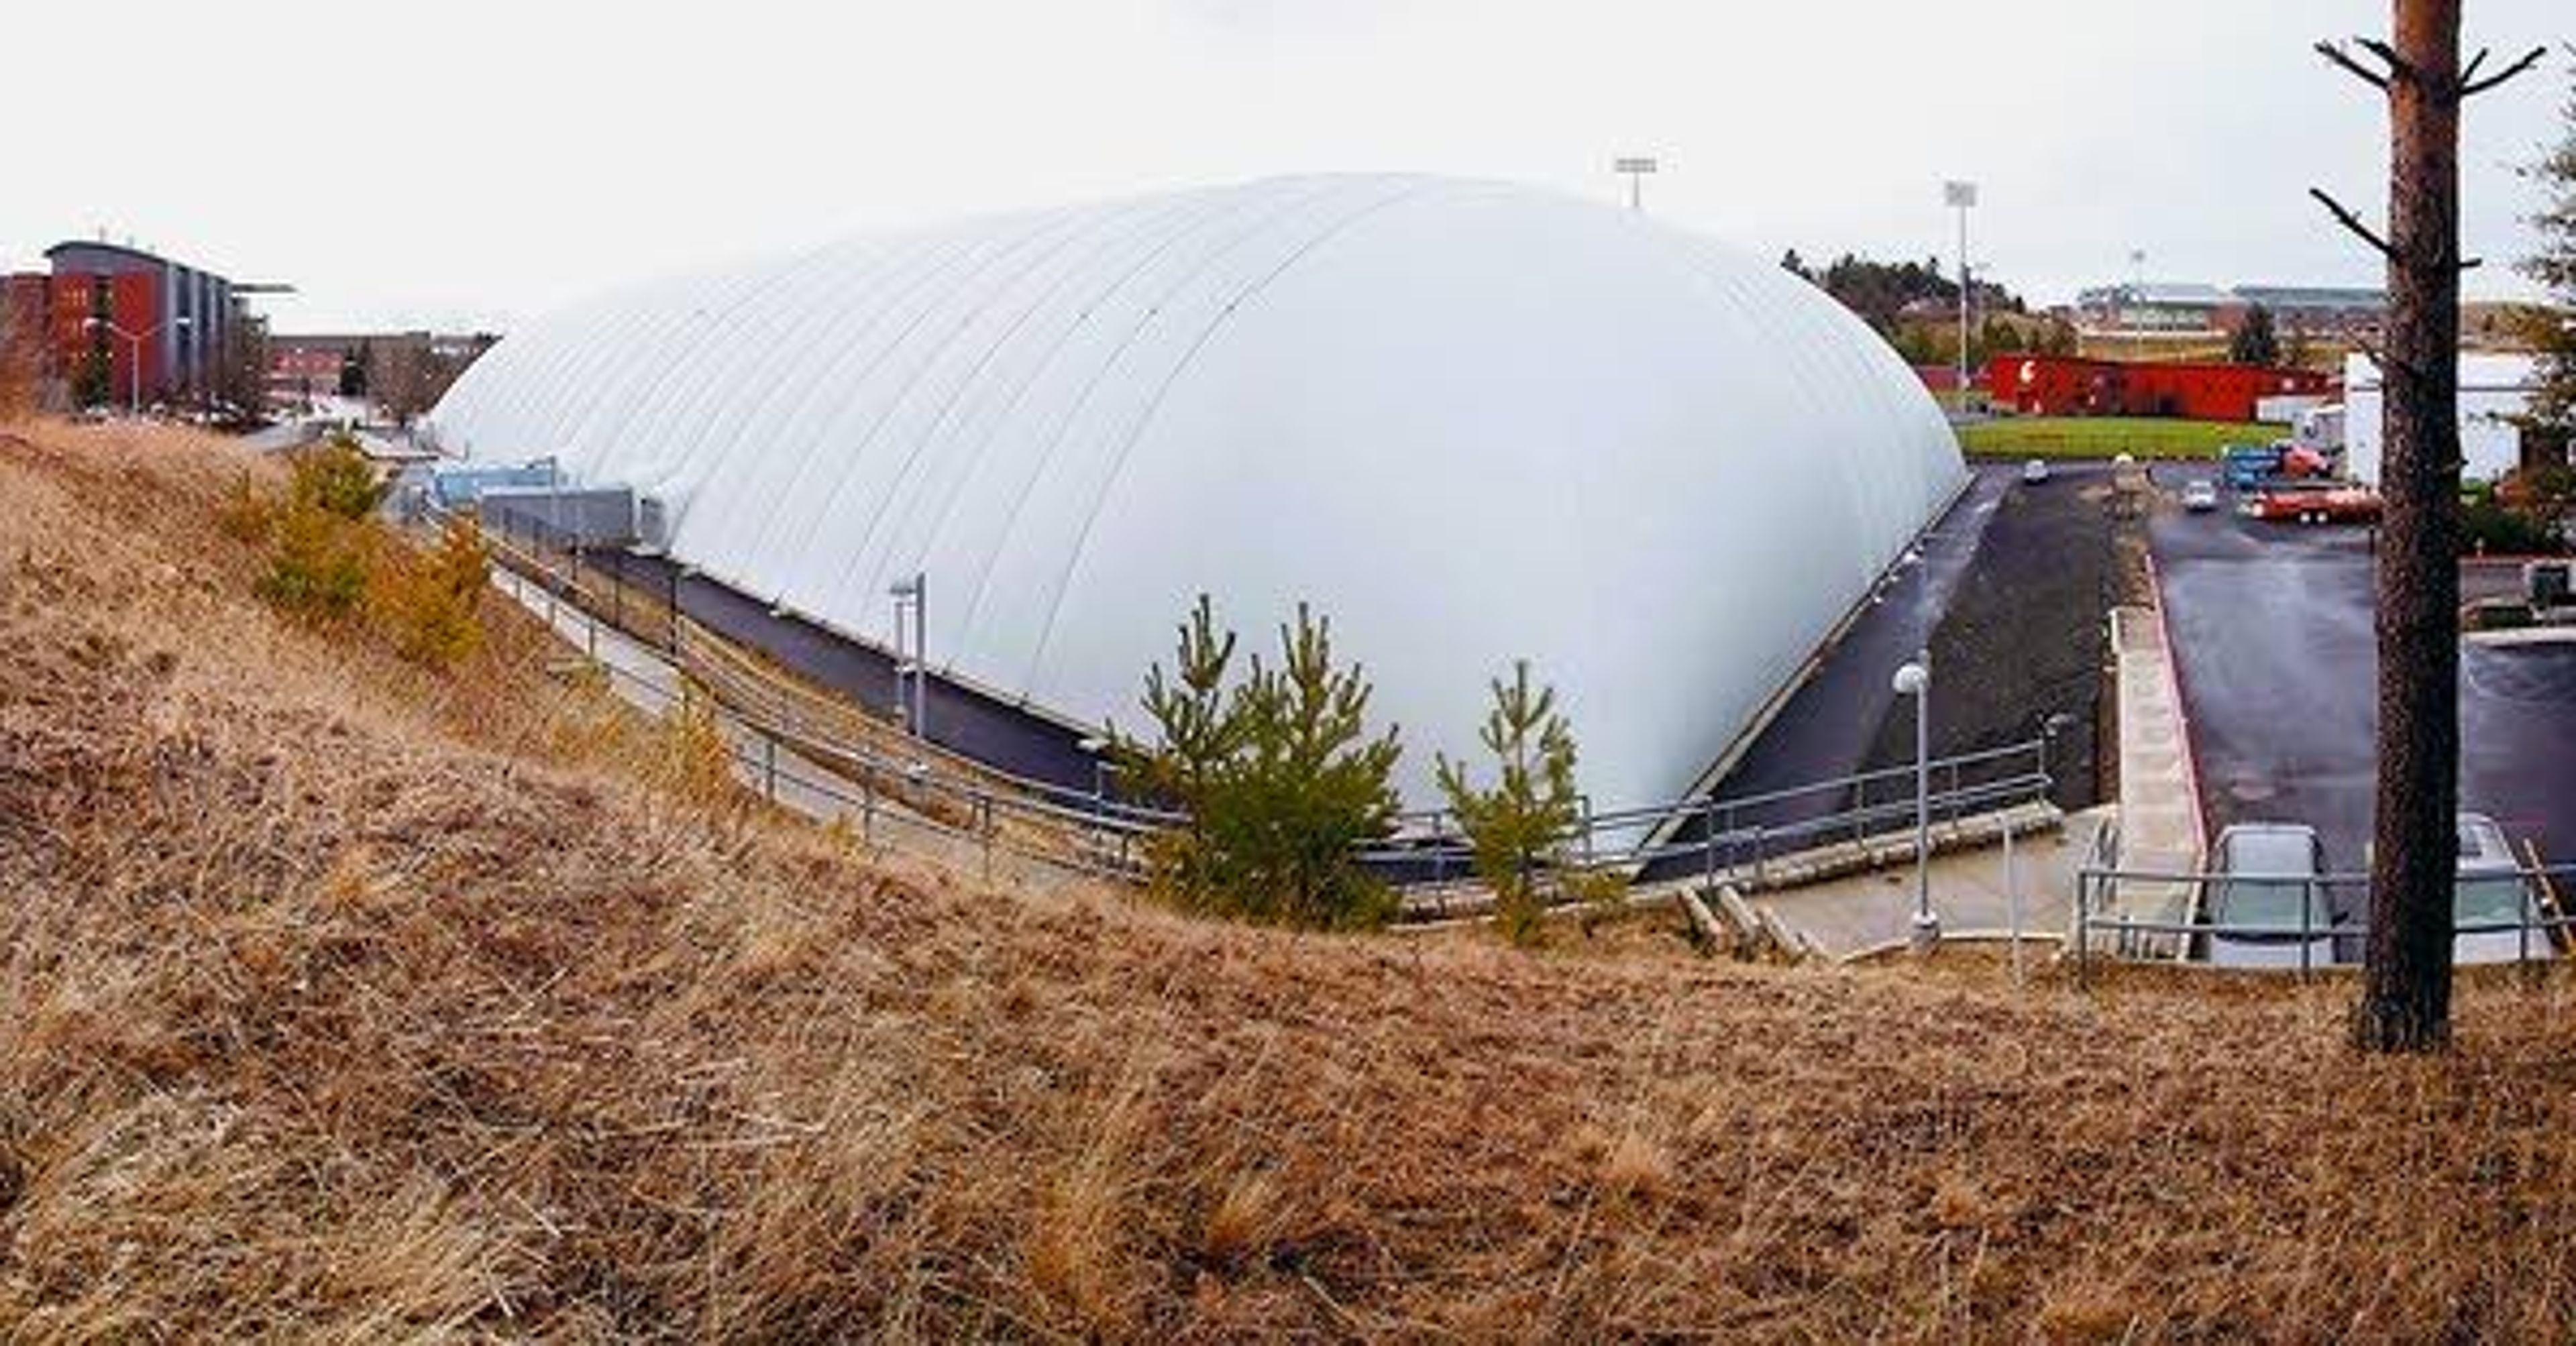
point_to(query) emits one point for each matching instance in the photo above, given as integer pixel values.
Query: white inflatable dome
(1469, 421)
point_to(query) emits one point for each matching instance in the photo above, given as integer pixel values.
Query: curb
(2521, 636)
(2182, 710)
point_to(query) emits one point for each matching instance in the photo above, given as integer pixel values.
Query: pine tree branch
(2471, 87)
(2334, 52)
(2348, 220)
(2398, 66)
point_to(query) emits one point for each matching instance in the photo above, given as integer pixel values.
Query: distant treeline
(1913, 305)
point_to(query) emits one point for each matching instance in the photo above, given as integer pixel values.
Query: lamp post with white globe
(1914, 679)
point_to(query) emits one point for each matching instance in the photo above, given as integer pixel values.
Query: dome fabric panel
(1469, 421)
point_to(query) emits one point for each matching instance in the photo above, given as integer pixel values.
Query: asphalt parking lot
(2273, 636)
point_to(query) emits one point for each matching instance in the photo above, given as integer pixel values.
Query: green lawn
(2105, 436)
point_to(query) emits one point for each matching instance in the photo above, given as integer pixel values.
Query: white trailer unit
(2492, 387)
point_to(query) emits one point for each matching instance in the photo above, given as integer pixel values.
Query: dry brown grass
(346, 1002)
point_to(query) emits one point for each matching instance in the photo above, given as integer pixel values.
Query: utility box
(2549, 584)
(652, 525)
(592, 516)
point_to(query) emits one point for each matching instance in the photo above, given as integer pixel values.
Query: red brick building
(117, 325)
(2066, 385)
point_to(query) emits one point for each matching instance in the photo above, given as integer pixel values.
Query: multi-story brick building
(113, 323)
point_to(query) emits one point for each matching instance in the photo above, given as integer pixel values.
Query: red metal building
(2066, 385)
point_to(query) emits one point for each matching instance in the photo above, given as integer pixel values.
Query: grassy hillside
(2109, 436)
(349, 1003)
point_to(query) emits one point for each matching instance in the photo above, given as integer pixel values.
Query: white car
(2492, 891)
(2035, 471)
(2200, 495)
(2266, 909)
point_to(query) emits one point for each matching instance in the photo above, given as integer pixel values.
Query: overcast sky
(468, 163)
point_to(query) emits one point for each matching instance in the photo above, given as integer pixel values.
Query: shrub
(432, 602)
(318, 562)
(1278, 775)
(2490, 527)
(247, 513)
(337, 478)
(1518, 826)
(322, 537)
(696, 763)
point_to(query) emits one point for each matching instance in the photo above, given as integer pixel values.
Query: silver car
(2493, 891)
(2266, 895)
(2200, 495)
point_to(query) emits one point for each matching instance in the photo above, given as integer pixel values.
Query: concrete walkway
(2159, 810)
(795, 780)
(1987, 891)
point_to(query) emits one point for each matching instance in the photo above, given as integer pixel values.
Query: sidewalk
(2159, 808)
(1974, 892)
(643, 678)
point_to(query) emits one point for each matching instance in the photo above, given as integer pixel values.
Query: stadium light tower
(1635, 168)
(1960, 196)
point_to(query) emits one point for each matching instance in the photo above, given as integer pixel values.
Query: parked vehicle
(2244, 467)
(2035, 471)
(2265, 896)
(2492, 889)
(2314, 502)
(2200, 495)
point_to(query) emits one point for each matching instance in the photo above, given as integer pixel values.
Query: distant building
(2347, 310)
(298, 373)
(2066, 385)
(2191, 309)
(2174, 308)
(118, 324)
(403, 372)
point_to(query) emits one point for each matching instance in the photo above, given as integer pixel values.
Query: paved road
(2273, 635)
(1825, 729)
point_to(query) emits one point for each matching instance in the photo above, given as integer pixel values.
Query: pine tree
(1278, 774)
(2406, 977)
(2549, 418)
(1518, 826)
(2255, 342)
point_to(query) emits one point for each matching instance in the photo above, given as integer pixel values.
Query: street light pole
(1915, 680)
(912, 598)
(134, 356)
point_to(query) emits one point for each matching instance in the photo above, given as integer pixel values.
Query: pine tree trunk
(2406, 999)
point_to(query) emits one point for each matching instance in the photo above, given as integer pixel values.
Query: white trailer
(2492, 387)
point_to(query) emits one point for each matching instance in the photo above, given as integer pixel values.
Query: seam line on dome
(1118, 469)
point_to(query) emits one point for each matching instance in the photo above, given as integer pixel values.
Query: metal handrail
(2537, 880)
(1421, 838)
(585, 598)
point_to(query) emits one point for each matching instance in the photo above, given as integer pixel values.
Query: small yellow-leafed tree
(322, 537)
(318, 563)
(432, 602)
(1518, 826)
(696, 762)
